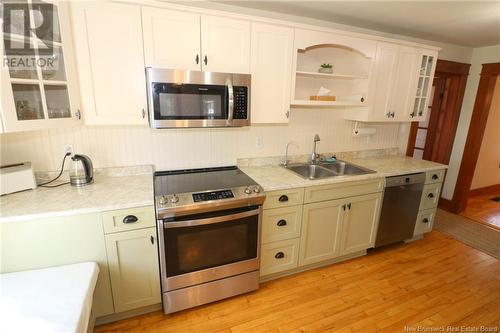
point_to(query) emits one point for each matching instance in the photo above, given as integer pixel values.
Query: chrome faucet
(314, 155)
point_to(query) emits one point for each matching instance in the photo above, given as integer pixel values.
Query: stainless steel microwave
(181, 98)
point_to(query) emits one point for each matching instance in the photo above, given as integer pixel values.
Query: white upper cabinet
(190, 41)
(171, 39)
(398, 92)
(44, 95)
(225, 44)
(271, 68)
(108, 41)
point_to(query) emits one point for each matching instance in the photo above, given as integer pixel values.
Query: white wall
(487, 171)
(480, 56)
(189, 148)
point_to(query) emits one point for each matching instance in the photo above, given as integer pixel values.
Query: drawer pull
(435, 177)
(425, 220)
(283, 198)
(281, 223)
(279, 255)
(430, 195)
(130, 219)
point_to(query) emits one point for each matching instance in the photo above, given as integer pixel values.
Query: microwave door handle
(217, 219)
(230, 90)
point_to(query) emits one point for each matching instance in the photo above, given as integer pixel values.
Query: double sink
(327, 169)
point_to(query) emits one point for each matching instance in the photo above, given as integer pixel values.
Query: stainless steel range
(209, 223)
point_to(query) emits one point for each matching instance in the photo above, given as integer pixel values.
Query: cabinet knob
(430, 195)
(343, 206)
(143, 113)
(152, 239)
(78, 114)
(425, 220)
(205, 60)
(349, 206)
(412, 114)
(281, 223)
(287, 114)
(421, 113)
(435, 177)
(197, 59)
(393, 114)
(283, 198)
(279, 255)
(130, 219)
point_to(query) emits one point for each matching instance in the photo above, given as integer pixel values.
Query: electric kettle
(82, 171)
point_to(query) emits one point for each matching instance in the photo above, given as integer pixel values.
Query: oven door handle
(211, 220)
(230, 103)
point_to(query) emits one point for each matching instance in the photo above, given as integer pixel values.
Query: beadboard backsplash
(110, 146)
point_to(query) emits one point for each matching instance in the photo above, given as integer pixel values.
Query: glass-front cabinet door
(425, 77)
(38, 75)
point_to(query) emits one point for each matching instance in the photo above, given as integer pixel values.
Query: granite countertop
(105, 193)
(273, 177)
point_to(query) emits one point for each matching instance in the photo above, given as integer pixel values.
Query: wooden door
(171, 39)
(359, 227)
(321, 224)
(109, 52)
(225, 44)
(271, 67)
(133, 267)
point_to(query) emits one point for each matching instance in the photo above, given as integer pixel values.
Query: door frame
(486, 89)
(458, 73)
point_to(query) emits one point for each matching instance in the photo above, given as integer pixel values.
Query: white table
(55, 300)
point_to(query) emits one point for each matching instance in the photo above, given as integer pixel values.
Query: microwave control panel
(240, 102)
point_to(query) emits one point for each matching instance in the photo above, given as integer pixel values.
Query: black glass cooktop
(200, 180)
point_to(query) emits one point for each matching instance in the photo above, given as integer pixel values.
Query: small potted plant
(326, 68)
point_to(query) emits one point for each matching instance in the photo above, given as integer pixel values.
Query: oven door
(204, 247)
(179, 98)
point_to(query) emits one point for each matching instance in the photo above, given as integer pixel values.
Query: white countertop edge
(71, 212)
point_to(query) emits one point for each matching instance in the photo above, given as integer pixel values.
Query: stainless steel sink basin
(342, 168)
(325, 170)
(310, 171)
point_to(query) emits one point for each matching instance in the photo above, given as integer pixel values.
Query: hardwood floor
(483, 210)
(436, 282)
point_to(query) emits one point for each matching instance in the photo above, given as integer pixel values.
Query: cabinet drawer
(279, 256)
(430, 196)
(436, 176)
(284, 198)
(281, 223)
(128, 219)
(342, 190)
(425, 221)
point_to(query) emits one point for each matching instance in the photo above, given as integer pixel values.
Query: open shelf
(304, 74)
(304, 102)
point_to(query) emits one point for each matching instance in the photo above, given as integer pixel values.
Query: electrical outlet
(68, 149)
(259, 142)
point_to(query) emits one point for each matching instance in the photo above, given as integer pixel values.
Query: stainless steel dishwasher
(400, 208)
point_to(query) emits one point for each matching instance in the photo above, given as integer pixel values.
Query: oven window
(189, 101)
(189, 249)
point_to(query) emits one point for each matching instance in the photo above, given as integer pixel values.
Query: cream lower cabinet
(359, 226)
(42, 243)
(133, 266)
(321, 227)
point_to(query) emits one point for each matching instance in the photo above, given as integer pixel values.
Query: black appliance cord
(59, 175)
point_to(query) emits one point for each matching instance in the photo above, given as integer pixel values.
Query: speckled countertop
(106, 193)
(273, 177)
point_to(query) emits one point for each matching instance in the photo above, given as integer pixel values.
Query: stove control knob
(248, 190)
(174, 199)
(163, 200)
(256, 189)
